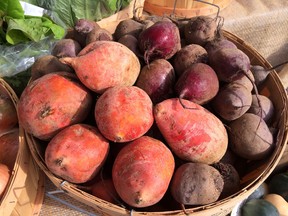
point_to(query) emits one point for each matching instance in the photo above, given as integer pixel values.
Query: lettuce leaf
(69, 11)
(12, 8)
(31, 29)
(16, 27)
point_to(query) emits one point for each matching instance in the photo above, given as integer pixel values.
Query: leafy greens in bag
(69, 11)
(15, 27)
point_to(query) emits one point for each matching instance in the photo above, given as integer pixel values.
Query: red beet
(232, 101)
(157, 80)
(161, 40)
(200, 30)
(84, 26)
(219, 43)
(260, 74)
(188, 55)
(199, 83)
(229, 63)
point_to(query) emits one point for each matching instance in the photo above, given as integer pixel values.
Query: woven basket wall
(25, 191)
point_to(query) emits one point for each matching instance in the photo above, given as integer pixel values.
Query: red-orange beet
(5, 176)
(77, 153)
(124, 113)
(8, 113)
(104, 189)
(51, 103)
(9, 146)
(104, 64)
(199, 83)
(142, 171)
(193, 133)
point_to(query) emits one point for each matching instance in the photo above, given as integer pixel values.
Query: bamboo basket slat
(25, 191)
(283, 163)
(184, 8)
(259, 172)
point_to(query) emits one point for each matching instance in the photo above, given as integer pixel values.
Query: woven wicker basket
(260, 171)
(25, 191)
(184, 8)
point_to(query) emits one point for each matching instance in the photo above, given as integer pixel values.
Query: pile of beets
(159, 114)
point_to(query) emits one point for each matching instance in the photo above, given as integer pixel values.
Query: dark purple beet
(229, 63)
(232, 101)
(200, 30)
(66, 48)
(157, 80)
(131, 42)
(85, 26)
(161, 40)
(260, 74)
(80, 30)
(188, 55)
(231, 178)
(219, 43)
(199, 83)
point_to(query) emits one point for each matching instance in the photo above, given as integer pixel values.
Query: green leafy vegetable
(31, 28)
(12, 8)
(15, 27)
(69, 11)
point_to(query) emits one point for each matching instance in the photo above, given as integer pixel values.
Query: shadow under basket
(258, 172)
(25, 191)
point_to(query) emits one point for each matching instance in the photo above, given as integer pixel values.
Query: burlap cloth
(263, 24)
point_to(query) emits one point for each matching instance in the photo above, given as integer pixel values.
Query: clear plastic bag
(18, 58)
